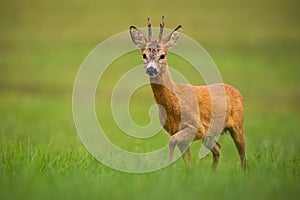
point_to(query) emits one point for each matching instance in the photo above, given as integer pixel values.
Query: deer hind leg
(182, 139)
(238, 136)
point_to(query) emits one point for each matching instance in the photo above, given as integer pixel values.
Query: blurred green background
(255, 44)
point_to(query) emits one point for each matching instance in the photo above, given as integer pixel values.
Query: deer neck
(163, 88)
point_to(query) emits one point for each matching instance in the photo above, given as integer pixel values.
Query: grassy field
(255, 44)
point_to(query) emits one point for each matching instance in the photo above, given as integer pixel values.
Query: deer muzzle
(151, 71)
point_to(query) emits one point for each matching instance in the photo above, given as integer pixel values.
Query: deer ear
(137, 37)
(171, 39)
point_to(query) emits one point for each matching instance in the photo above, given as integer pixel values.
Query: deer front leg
(182, 139)
(211, 143)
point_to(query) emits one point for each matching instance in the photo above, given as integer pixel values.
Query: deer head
(154, 52)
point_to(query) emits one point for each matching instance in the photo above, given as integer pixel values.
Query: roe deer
(185, 111)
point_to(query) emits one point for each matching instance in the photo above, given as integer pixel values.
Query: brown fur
(185, 110)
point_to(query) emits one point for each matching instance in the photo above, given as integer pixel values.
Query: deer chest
(170, 117)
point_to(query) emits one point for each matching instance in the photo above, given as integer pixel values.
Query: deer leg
(216, 150)
(238, 137)
(182, 139)
(211, 143)
(186, 154)
(172, 145)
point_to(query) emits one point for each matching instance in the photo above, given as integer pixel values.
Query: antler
(161, 28)
(149, 30)
(162, 25)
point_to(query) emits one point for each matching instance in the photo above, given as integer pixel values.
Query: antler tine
(161, 28)
(149, 30)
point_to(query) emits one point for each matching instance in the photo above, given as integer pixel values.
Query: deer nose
(151, 71)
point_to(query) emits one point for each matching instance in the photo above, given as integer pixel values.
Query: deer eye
(144, 56)
(162, 56)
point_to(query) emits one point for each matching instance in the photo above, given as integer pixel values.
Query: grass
(46, 172)
(255, 45)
